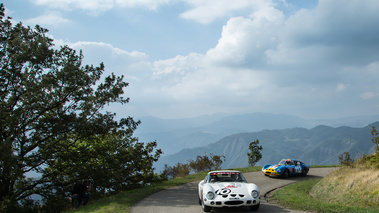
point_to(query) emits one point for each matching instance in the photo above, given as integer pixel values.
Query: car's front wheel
(304, 172)
(286, 174)
(205, 207)
(254, 208)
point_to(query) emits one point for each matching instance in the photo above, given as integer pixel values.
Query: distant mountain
(320, 145)
(173, 135)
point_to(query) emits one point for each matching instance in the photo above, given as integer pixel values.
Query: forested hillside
(320, 145)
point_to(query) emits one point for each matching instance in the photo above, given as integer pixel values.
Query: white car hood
(235, 187)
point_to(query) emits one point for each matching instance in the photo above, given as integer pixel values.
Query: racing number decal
(298, 169)
(223, 191)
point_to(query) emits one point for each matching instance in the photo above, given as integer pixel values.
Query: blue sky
(185, 58)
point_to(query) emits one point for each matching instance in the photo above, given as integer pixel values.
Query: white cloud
(149, 4)
(341, 87)
(200, 11)
(197, 79)
(207, 11)
(373, 67)
(132, 64)
(178, 65)
(53, 18)
(244, 40)
(336, 32)
(96, 7)
(104, 49)
(369, 95)
(8, 12)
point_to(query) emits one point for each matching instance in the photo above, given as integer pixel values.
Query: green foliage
(179, 170)
(206, 163)
(113, 162)
(53, 123)
(369, 161)
(345, 160)
(255, 153)
(375, 139)
(202, 163)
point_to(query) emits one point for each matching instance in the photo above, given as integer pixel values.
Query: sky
(187, 58)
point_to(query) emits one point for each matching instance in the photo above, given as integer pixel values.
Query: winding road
(184, 198)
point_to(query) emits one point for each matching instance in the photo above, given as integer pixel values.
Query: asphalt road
(184, 198)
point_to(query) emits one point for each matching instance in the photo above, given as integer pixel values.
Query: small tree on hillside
(345, 160)
(255, 153)
(375, 138)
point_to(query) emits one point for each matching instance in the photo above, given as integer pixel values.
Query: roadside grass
(121, 202)
(296, 196)
(350, 186)
(348, 189)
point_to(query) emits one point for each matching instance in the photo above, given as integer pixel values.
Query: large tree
(51, 108)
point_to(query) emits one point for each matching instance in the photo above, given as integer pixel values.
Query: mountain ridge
(319, 145)
(174, 135)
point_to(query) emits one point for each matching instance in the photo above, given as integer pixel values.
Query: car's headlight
(210, 195)
(254, 194)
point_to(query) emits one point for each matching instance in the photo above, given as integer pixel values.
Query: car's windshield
(286, 162)
(226, 177)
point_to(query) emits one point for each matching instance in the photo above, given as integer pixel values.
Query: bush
(202, 163)
(345, 160)
(369, 161)
(180, 170)
(205, 163)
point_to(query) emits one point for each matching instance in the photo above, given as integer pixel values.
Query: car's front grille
(234, 202)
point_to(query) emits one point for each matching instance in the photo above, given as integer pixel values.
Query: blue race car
(285, 168)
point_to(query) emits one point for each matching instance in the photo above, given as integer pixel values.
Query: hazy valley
(281, 136)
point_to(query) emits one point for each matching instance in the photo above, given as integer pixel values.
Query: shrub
(205, 163)
(345, 160)
(180, 170)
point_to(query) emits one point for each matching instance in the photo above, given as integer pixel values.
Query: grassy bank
(348, 189)
(297, 196)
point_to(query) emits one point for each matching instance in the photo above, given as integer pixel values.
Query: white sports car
(227, 188)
